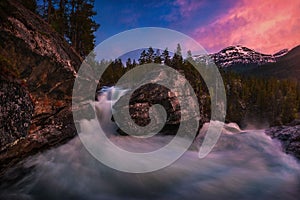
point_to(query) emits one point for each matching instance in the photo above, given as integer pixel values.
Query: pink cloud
(266, 26)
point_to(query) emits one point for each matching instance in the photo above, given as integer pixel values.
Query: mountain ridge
(284, 64)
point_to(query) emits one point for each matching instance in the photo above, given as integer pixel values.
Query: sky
(267, 26)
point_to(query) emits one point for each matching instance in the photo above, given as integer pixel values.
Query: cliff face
(37, 73)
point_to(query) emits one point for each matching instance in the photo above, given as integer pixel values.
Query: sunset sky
(266, 26)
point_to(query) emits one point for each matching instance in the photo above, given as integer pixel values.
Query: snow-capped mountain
(238, 56)
(284, 64)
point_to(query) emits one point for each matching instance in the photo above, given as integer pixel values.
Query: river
(244, 164)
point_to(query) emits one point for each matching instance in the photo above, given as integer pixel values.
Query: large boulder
(144, 97)
(38, 68)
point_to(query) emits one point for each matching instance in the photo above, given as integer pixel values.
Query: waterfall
(107, 96)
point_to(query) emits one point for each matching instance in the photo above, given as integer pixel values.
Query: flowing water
(243, 165)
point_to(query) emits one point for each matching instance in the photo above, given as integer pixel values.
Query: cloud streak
(183, 9)
(187, 7)
(266, 26)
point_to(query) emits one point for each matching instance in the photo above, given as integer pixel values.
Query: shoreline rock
(289, 137)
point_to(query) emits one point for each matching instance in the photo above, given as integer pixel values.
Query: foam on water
(242, 166)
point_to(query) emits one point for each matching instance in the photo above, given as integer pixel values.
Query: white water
(243, 165)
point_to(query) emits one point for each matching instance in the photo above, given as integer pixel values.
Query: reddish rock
(41, 66)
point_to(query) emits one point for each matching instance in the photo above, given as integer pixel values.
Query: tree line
(249, 98)
(73, 19)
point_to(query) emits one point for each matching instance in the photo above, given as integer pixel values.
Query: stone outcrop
(289, 136)
(155, 93)
(38, 68)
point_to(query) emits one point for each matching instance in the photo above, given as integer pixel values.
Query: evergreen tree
(177, 59)
(143, 57)
(150, 55)
(178, 50)
(189, 54)
(157, 57)
(128, 64)
(134, 64)
(166, 57)
(50, 10)
(60, 18)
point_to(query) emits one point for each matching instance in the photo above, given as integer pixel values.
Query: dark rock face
(148, 95)
(36, 59)
(15, 112)
(289, 136)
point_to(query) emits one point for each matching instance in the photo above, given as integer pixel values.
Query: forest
(258, 100)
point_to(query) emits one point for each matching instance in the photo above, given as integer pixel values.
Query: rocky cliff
(38, 69)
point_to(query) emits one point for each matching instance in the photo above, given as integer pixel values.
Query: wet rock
(289, 136)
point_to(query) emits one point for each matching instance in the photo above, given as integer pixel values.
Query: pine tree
(60, 19)
(189, 54)
(143, 57)
(177, 59)
(49, 11)
(166, 57)
(134, 64)
(150, 55)
(128, 64)
(157, 57)
(178, 50)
